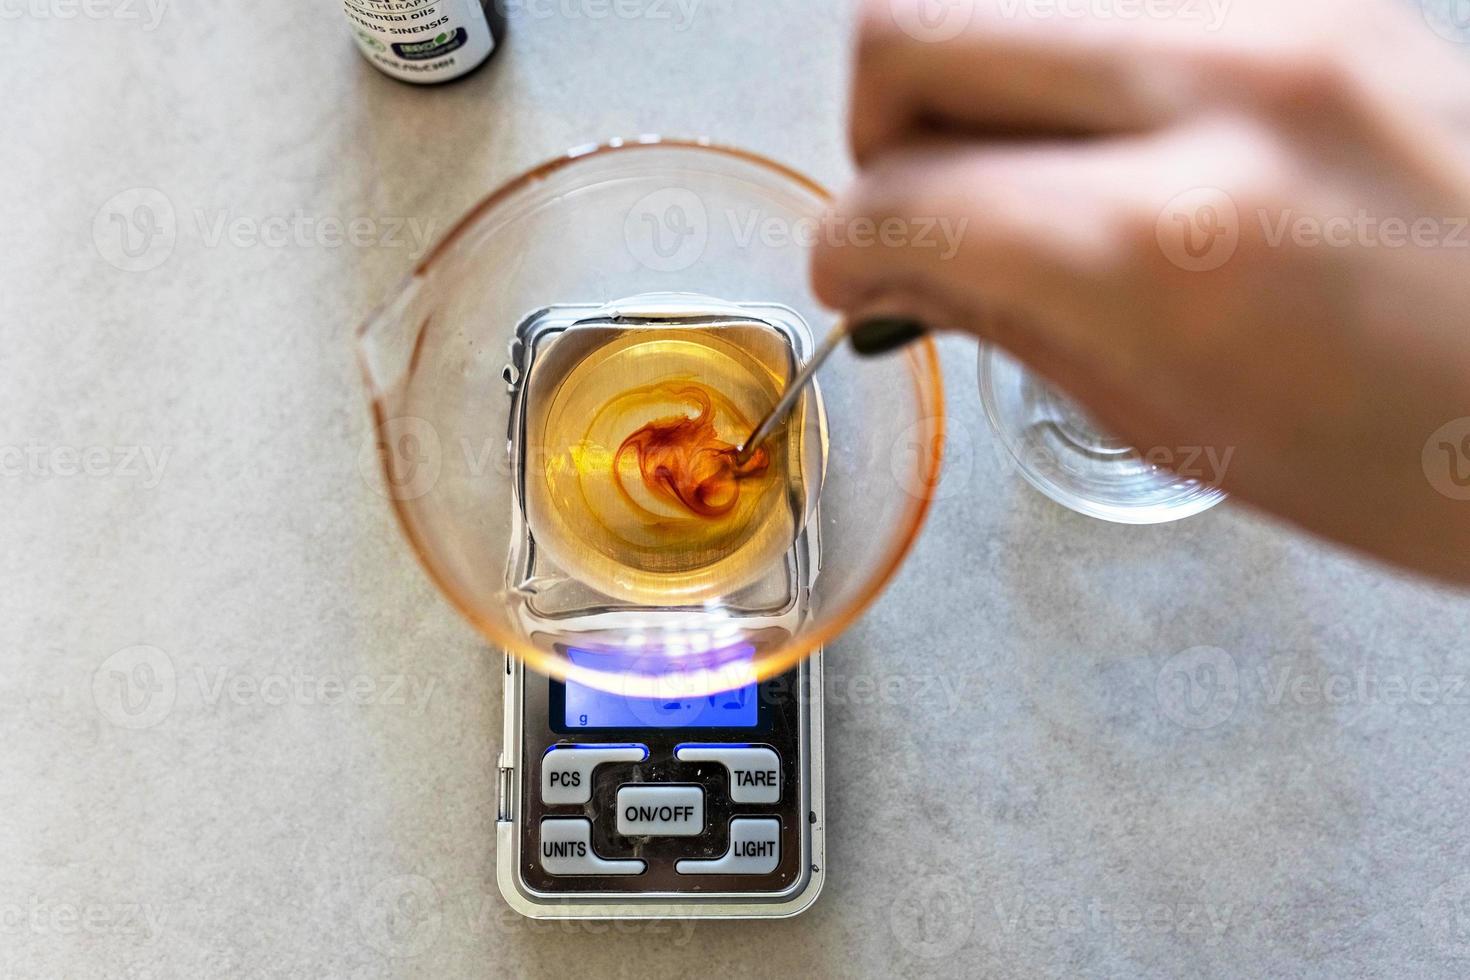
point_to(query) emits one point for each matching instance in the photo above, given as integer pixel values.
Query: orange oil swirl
(682, 460)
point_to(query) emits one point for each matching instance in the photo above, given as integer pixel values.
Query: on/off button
(660, 811)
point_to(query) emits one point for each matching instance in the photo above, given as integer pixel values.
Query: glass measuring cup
(649, 235)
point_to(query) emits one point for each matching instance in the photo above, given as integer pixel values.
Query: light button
(656, 810)
(755, 773)
(755, 849)
(566, 849)
(566, 770)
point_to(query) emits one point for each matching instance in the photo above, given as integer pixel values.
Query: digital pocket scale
(616, 807)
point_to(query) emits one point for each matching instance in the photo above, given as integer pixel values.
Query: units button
(657, 810)
(566, 849)
(566, 770)
(755, 772)
(755, 849)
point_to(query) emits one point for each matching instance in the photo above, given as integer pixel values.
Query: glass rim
(1143, 516)
(923, 367)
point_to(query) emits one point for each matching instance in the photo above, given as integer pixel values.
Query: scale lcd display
(585, 707)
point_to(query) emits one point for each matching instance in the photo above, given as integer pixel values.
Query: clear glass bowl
(1064, 454)
(650, 235)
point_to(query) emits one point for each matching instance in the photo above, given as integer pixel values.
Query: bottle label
(421, 40)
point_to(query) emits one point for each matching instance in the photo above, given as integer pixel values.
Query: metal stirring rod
(869, 338)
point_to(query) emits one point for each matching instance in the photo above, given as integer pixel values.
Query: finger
(1007, 73)
(1015, 244)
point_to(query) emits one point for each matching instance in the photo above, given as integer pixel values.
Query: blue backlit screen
(587, 707)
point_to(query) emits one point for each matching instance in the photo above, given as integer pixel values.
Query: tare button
(566, 770)
(755, 849)
(755, 773)
(654, 810)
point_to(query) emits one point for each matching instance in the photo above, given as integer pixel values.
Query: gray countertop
(1056, 746)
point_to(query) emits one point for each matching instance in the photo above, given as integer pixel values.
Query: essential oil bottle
(427, 41)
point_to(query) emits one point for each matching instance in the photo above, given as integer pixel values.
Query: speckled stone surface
(1056, 747)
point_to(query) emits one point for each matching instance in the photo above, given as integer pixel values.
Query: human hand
(1252, 237)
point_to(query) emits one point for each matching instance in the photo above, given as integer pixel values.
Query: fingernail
(883, 334)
